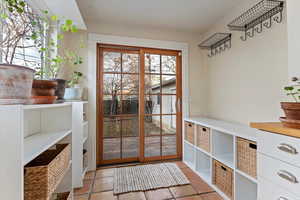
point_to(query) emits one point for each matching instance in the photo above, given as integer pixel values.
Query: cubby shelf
(223, 149)
(26, 132)
(36, 144)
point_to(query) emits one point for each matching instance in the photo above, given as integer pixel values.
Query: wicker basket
(44, 173)
(203, 138)
(64, 196)
(246, 156)
(223, 178)
(189, 132)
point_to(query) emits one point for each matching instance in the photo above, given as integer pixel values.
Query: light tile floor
(98, 185)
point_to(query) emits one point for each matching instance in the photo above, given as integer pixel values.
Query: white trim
(93, 39)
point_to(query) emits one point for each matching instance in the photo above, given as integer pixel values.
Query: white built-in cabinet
(26, 131)
(278, 167)
(223, 137)
(81, 151)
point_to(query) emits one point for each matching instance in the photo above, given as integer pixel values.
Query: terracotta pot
(43, 92)
(15, 84)
(60, 89)
(43, 99)
(47, 84)
(291, 110)
(290, 123)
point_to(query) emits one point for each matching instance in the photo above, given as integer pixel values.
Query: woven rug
(147, 177)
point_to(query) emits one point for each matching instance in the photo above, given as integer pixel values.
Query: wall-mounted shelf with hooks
(217, 43)
(261, 15)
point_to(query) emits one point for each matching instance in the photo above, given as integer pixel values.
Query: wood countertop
(276, 127)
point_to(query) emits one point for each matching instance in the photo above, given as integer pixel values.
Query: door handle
(282, 198)
(178, 105)
(287, 148)
(287, 176)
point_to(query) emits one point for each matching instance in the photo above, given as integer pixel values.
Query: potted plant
(74, 91)
(15, 78)
(292, 109)
(47, 86)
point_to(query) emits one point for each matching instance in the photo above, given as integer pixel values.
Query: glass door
(120, 106)
(162, 103)
(138, 105)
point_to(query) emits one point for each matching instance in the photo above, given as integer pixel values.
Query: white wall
(197, 71)
(245, 83)
(293, 15)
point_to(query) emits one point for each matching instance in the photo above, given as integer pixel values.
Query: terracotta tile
(197, 197)
(181, 164)
(159, 194)
(132, 196)
(182, 191)
(87, 185)
(103, 196)
(103, 184)
(81, 197)
(89, 175)
(104, 173)
(200, 186)
(211, 196)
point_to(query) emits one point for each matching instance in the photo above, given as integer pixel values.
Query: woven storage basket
(64, 196)
(44, 173)
(223, 178)
(189, 132)
(246, 156)
(203, 138)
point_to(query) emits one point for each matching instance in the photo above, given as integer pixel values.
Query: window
(26, 52)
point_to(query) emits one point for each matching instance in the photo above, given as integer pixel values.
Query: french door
(138, 104)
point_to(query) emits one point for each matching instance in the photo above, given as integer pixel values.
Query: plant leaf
(289, 88)
(69, 22)
(54, 18)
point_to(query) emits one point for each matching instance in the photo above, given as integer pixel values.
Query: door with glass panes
(138, 104)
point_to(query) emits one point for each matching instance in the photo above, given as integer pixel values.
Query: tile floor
(99, 185)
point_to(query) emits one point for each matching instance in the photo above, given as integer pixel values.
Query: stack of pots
(292, 113)
(43, 91)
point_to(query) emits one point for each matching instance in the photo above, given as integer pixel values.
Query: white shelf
(85, 123)
(84, 172)
(36, 144)
(45, 106)
(235, 129)
(85, 139)
(226, 159)
(254, 180)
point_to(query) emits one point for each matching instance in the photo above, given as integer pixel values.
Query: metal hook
(251, 33)
(268, 24)
(259, 29)
(244, 38)
(277, 18)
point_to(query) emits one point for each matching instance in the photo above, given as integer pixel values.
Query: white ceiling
(182, 15)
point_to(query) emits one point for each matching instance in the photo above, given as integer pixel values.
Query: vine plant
(19, 22)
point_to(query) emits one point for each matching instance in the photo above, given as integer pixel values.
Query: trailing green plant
(293, 91)
(75, 78)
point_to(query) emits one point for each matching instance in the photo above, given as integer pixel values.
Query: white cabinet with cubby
(26, 132)
(81, 151)
(223, 148)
